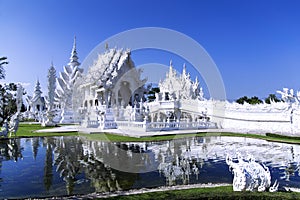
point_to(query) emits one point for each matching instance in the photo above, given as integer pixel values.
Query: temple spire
(37, 89)
(184, 70)
(74, 58)
(172, 72)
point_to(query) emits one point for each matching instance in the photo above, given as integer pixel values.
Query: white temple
(111, 87)
(36, 103)
(112, 95)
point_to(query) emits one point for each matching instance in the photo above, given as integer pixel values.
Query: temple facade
(113, 96)
(35, 104)
(111, 84)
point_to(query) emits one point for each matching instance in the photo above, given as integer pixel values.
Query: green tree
(151, 93)
(252, 100)
(271, 97)
(8, 104)
(7, 95)
(3, 61)
(242, 100)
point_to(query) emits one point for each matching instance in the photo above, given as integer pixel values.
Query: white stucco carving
(50, 112)
(65, 83)
(250, 175)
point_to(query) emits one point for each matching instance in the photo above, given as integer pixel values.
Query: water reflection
(10, 150)
(48, 174)
(67, 154)
(72, 165)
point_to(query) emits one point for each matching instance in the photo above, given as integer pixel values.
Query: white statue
(286, 95)
(19, 97)
(250, 175)
(50, 113)
(14, 124)
(4, 130)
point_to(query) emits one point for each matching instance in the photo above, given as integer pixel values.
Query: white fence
(101, 125)
(165, 126)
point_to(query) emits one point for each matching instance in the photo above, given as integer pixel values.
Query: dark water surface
(56, 166)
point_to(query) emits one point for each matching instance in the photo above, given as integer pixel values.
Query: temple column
(193, 118)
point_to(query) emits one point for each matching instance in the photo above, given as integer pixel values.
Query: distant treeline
(256, 100)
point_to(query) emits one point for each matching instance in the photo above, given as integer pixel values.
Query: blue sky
(255, 44)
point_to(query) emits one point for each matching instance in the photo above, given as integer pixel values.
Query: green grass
(268, 137)
(223, 192)
(119, 138)
(27, 130)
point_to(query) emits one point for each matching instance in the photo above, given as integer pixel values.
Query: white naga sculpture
(250, 175)
(13, 125)
(288, 95)
(14, 121)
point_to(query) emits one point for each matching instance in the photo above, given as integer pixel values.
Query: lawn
(27, 130)
(120, 138)
(223, 192)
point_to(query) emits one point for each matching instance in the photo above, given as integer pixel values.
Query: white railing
(92, 123)
(108, 125)
(131, 124)
(165, 126)
(102, 125)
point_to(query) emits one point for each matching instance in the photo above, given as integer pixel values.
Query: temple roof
(108, 65)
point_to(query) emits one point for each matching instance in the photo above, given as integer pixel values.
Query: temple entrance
(124, 94)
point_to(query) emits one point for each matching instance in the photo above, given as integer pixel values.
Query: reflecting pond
(56, 166)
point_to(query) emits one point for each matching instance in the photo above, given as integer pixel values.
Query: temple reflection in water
(73, 165)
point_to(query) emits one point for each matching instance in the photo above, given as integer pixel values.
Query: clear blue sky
(255, 44)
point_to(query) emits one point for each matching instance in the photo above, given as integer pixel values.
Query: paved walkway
(128, 132)
(61, 129)
(125, 132)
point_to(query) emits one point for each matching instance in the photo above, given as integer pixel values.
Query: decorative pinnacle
(37, 88)
(74, 59)
(184, 69)
(74, 43)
